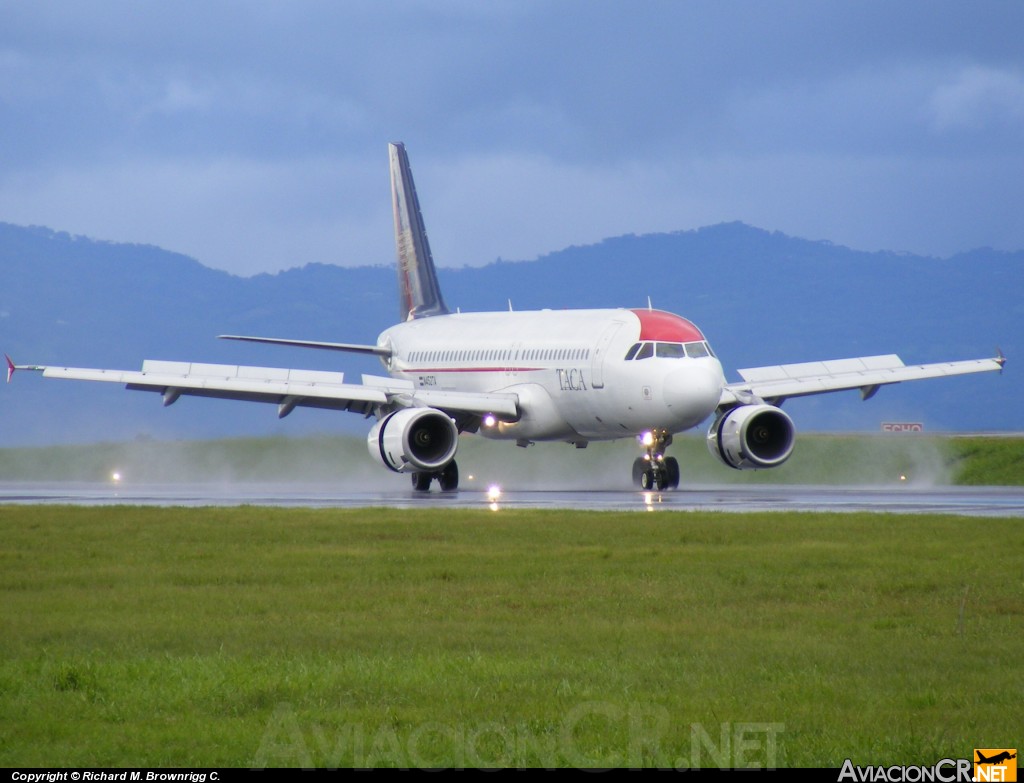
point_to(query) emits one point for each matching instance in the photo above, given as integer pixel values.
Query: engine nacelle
(752, 436)
(414, 440)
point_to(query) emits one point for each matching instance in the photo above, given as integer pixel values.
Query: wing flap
(244, 372)
(866, 373)
(288, 388)
(263, 384)
(820, 369)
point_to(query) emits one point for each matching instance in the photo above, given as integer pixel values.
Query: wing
(288, 389)
(868, 373)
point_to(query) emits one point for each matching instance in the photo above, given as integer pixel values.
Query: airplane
(996, 759)
(569, 375)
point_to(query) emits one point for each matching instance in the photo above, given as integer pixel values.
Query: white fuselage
(579, 375)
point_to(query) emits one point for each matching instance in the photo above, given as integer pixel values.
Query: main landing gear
(447, 478)
(654, 470)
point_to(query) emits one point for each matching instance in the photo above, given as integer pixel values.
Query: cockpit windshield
(669, 350)
(698, 350)
(647, 350)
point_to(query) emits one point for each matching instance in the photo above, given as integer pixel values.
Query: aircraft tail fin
(419, 292)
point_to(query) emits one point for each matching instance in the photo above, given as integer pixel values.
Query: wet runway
(972, 501)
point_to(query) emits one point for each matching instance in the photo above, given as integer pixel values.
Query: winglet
(1000, 357)
(11, 367)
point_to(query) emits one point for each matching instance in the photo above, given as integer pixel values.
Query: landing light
(493, 494)
(490, 420)
(115, 476)
(647, 438)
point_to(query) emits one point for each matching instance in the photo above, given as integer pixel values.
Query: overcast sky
(253, 135)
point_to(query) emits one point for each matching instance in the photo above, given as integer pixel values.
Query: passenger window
(670, 351)
(646, 351)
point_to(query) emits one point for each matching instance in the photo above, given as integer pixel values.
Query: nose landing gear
(654, 470)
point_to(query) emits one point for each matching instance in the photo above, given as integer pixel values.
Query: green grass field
(288, 637)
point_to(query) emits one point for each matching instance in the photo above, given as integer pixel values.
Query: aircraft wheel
(639, 466)
(672, 472)
(421, 482)
(647, 480)
(449, 478)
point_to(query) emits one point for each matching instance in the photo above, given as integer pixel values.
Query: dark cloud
(252, 134)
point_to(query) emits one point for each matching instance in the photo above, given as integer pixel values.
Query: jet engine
(749, 437)
(414, 440)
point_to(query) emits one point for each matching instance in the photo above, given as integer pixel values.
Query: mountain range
(760, 297)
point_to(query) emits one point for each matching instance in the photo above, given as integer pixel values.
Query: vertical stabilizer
(419, 293)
